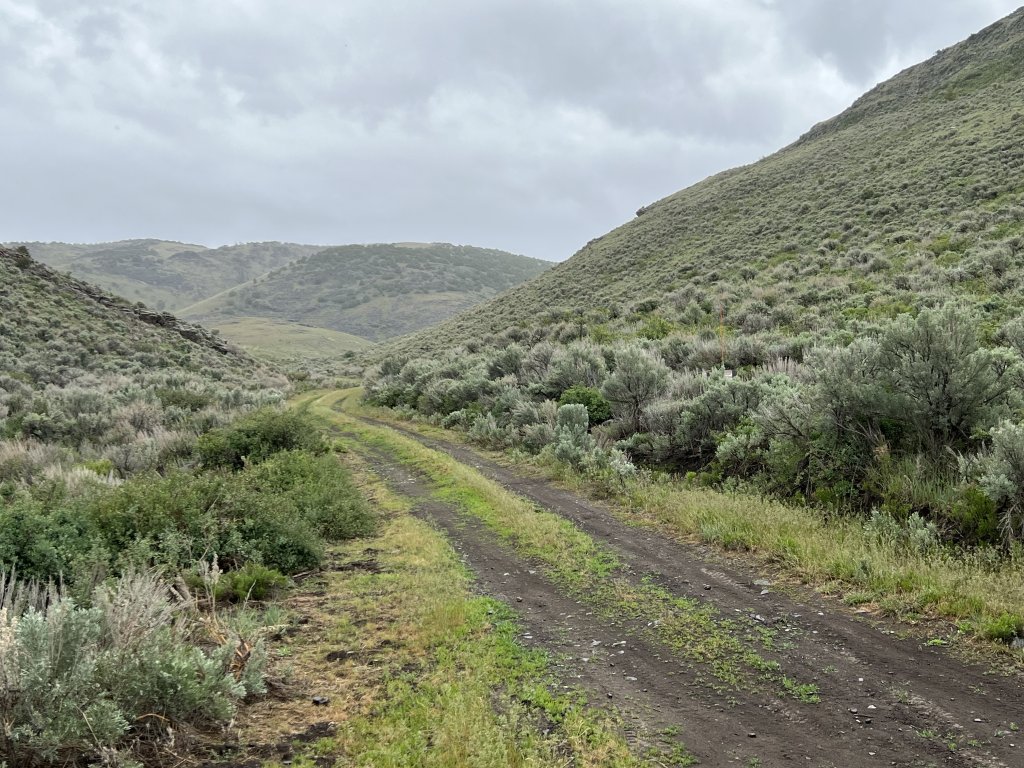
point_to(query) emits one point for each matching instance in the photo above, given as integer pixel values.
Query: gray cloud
(531, 125)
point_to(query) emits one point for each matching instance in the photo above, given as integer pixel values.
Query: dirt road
(883, 700)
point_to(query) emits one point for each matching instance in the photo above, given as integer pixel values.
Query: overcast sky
(528, 125)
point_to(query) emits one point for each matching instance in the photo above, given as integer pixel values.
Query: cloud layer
(529, 125)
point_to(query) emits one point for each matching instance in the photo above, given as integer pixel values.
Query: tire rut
(884, 701)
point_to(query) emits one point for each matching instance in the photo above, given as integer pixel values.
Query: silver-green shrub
(1002, 477)
(79, 681)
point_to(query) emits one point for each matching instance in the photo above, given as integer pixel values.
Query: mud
(884, 700)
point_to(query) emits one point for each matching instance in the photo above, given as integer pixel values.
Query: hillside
(373, 291)
(911, 196)
(164, 274)
(839, 323)
(86, 369)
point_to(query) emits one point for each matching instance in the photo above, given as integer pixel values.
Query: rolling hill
(840, 323)
(372, 291)
(164, 274)
(913, 195)
(84, 368)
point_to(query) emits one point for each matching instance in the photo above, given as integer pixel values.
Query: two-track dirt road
(883, 700)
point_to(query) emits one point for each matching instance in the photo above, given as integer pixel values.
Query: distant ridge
(166, 274)
(374, 291)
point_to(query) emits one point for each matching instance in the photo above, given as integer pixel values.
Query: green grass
(969, 588)
(449, 684)
(281, 341)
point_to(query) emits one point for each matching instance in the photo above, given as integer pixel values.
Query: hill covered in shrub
(838, 324)
(374, 291)
(912, 197)
(87, 373)
(163, 274)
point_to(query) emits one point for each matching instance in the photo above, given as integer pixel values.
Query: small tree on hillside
(22, 258)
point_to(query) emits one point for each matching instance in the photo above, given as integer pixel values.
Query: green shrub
(655, 327)
(101, 467)
(258, 436)
(250, 582)
(572, 437)
(580, 363)
(973, 516)
(639, 378)
(22, 257)
(1002, 478)
(1004, 628)
(253, 582)
(914, 534)
(277, 514)
(943, 385)
(47, 539)
(186, 399)
(599, 410)
(320, 491)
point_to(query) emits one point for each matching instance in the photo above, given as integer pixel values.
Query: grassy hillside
(163, 274)
(839, 324)
(910, 197)
(91, 372)
(374, 291)
(289, 342)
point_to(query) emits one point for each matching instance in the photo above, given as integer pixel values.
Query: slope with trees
(373, 291)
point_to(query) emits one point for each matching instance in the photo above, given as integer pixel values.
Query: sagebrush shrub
(599, 410)
(74, 677)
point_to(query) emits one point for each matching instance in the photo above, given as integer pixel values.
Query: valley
(375, 292)
(739, 483)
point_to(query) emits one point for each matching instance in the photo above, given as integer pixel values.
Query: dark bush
(974, 517)
(185, 399)
(278, 514)
(258, 436)
(598, 409)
